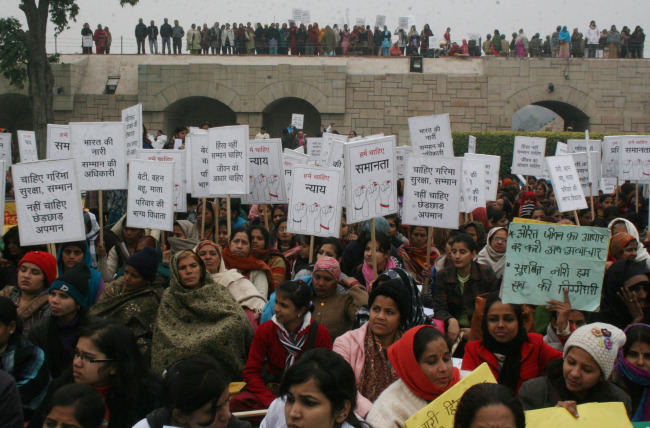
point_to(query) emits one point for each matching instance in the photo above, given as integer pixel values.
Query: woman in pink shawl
(345, 40)
(521, 49)
(100, 39)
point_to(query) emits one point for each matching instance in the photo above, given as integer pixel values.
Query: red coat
(268, 353)
(535, 356)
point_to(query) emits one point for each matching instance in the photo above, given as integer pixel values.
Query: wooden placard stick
(203, 219)
(427, 264)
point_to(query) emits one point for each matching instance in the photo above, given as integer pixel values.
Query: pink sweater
(351, 347)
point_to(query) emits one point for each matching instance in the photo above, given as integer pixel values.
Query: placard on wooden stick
(528, 156)
(492, 166)
(27, 146)
(5, 147)
(151, 195)
(132, 119)
(566, 183)
(431, 135)
(266, 175)
(58, 142)
(228, 160)
(177, 157)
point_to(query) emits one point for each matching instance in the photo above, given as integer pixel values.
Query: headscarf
(612, 309)
(329, 265)
(528, 195)
(641, 253)
(637, 376)
(480, 232)
(400, 355)
(415, 259)
(564, 35)
(488, 257)
(480, 214)
(618, 243)
(191, 233)
(509, 373)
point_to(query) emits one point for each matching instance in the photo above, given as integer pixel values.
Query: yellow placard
(591, 415)
(440, 412)
(10, 216)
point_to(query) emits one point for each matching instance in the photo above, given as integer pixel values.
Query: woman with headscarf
(237, 255)
(262, 250)
(414, 254)
(623, 225)
(209, 226)
(565, 43)
(622, 246)
(197, 315)
(625, 289)
(476, 230)
(424, 39)
(493, 254)
(72, 253)
(632, 370)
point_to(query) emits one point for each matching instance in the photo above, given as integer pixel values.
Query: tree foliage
(13, 52)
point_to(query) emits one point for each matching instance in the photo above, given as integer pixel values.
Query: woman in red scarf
(414, 254)
(422, 360)
(262, 250)
(237, 255)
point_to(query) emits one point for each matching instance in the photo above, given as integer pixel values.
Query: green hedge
(502, 143)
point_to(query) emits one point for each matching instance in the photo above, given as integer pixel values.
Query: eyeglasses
(86, 359)
(282, 229)
(497, 239)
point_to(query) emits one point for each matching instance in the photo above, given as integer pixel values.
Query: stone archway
(195, 111)
(277, 115)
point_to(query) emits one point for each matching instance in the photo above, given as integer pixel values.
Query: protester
(489, 403)
(237, 255)
(76, 405)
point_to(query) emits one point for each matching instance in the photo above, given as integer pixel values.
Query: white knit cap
(602, 341)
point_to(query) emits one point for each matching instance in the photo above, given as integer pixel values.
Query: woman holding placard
(422, 360)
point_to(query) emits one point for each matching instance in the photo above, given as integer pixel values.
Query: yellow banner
(10, 216)
(591, 415)
(440, 412)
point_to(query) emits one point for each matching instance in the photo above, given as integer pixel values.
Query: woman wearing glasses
(493, 254)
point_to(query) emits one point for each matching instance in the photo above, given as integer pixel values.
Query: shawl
(488, 257)
(368, 272)
(564, 35)
(34, 310)
(377, 373)
(618, 243)
(189, 230)
(414, 259)
(612, 309)
(641, 253)
(401, 357)
(92, 236)
(246, 264)
(480, 214)
(293, 342)
(204, 320)
(480, 232)
(637, 376)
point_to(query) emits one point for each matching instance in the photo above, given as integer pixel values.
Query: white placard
(265, 172)
(361, 22)
(5, 147)
(335, 157)
(48, 202)
(400, 159)
(297, 120)
(288, 162)
(635, 158)
(431, 191)
(296, 14)
(472, 193)
(370, 178)
(611, 154)
(380, 21)
(403, 22)
(411, 21)
(150, 202)
(315, 203)
(471, 144)
(577, 146)
(566, 183)
(314, 148)
(58, 142)
(27, 146)
(132, 118)
(582, 168)
(3, 186)
(199, 172)
(431, 135)
(608, 185)
(305, 18)
(528, 156)
(99, 150)
(474, 36)
(327, 144)
(228, 163)
(561, 149)
(177, 157)
(492, 167)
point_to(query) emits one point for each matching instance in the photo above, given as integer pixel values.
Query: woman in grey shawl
(493, 254)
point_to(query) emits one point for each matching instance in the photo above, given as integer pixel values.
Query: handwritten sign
(587, 176)
(528, 155)
(315, 203)
(400, 159)
(472, 193)
(132, 118)
(296, 14)
(471, 144)
(634, 162)
(566, 183)
(542, 260)
(265, 172)
(441, 412)
(297, 120)
(27, 146)
(431, 191)
(305, 16)
(492, 165)
(561, 149)
(289, 159)
(100, 153)
(591, 415)
(150, 202)
(177, 157)
(5, 147)
(228, 160)
(58, 142)
(336, 156)
(327, 145)
(10, 217)
(370, 178)
(403, 22)
(431, 135)
(48, 202)
(595, 147)
(199, 170)
(380, 21)
(611, 154)
(361, 22)
(314, 150)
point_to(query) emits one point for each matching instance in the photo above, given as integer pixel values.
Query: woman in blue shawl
(565, 43)
(71, 253)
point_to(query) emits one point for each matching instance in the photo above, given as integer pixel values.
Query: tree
(23, 55)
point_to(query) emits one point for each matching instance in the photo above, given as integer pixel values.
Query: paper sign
(27, 146)
(380, 21)
(370, 178)
(582, 168)
(474, 36)
(5, 147)
(315, 203)
(178, 158)
(492, 166)
(595, 146)
(335, 157)
(591, 415)
(400, 159)
(178, 143)
(48, 202)
(100, 153)
(150, 201)
(472, 194)
(441, 411)
(132, 118)
(58, 142)
(296, 14)
(314, 149)
(611, 154)
(431, 191)
(566, 183)
(361, 22)
(542, 260)
(431, 135)
(199, 173)
(634, 163)
(305, 16)
(403, 22)
(228, 163)
(327, 144)
(297, 120)
(561, 149)
(528, 156)
(265, 172)
(288, 162)
(471, 145)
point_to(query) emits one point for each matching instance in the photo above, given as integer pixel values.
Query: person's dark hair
(199, 260)
(235, 205)
(191, 383)
(540, 208)
(87, 402)
(636, 219)
(491, 300)
(179, 129)
(263, 231)
(383, 241)
(484, 395)
(605, 196)
(464, 238)
(338, 247)
(332, 375)
(423, 337)
(297, 291)
(223, 222)
(611, 212)
(394, 217)
(637, 333)
(240, 230)
(9, 314)
(208, 124)
(599, 222)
